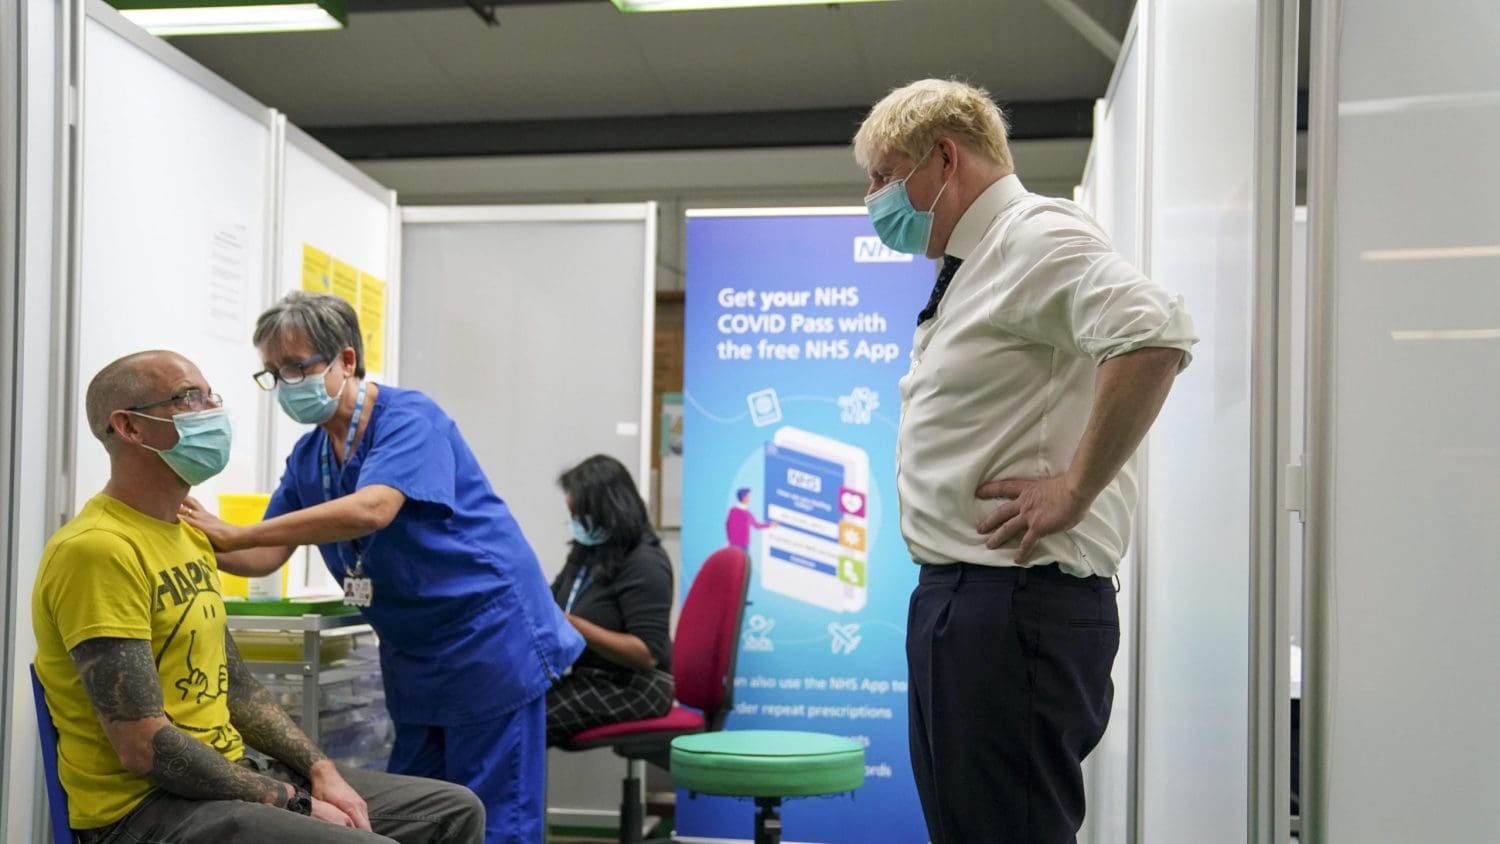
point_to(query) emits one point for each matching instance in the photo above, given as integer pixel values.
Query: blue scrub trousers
(503, 761)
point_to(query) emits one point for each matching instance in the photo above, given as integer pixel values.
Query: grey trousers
(409, 810)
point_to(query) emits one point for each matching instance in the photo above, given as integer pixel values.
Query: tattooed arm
(121, 680)
(266, 727)
(261, 721)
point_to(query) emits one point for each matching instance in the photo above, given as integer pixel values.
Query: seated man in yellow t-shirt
(152, 703)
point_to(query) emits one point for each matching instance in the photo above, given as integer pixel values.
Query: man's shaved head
(131, 380)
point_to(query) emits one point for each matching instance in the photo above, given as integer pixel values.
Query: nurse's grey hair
(326, 322)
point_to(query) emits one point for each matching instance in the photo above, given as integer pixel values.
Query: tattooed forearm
(261, 721)
(189, 768)
(122, 682)
(120, 678)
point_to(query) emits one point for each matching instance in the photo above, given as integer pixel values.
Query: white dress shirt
(1002, 377)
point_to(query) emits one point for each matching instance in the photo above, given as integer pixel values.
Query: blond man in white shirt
(1037, 367)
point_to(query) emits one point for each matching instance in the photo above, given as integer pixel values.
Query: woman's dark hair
(603, 496)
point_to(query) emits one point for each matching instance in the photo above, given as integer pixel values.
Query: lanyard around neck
(580, 582)
(327, 467)
(327, 462)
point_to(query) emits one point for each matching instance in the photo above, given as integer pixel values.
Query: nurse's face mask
(308, 401)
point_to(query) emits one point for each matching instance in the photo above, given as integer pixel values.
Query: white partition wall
(1171, 180)
(1113, 194)
(1194, 652)
(32, 76)
(1401, 691)
(176, 176)
(10, 274)
(532, 326)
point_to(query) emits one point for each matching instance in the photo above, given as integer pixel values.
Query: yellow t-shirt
(115, 572)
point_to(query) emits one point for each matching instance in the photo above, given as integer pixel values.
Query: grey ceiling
(574, 60)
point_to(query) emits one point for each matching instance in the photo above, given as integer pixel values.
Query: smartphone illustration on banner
(816, 493)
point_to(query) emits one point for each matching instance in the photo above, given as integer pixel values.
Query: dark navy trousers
(1009, 691)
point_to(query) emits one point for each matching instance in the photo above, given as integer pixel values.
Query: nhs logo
(804, 481)
(869, 250)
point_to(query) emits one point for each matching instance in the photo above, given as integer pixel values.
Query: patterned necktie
(950, 266)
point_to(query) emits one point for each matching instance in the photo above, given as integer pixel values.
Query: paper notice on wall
(346, 283)
(228, 273)
(372, 321)
(317, 270)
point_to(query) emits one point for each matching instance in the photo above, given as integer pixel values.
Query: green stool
(768, 765)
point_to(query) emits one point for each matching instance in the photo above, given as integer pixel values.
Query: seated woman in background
(616, 589)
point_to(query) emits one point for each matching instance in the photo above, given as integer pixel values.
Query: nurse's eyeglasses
(287, 373)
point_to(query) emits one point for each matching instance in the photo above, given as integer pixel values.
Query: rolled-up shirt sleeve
(1079, 294)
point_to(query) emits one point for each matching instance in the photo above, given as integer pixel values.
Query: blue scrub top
(468, 628)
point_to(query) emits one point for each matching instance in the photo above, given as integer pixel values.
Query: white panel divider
(1400, 688)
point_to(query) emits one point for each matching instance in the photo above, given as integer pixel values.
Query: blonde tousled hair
(910, 119)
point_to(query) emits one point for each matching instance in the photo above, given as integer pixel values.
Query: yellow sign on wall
(317, 270)
(346, 283)
(322, 273)
(372, 320)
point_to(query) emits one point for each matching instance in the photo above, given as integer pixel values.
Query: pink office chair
(703, 657)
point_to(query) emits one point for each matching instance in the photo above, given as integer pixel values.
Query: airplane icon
(845, 637)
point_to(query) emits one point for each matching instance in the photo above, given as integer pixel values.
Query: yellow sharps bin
(245, 509)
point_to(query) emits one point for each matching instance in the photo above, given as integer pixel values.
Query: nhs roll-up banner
(799, 327)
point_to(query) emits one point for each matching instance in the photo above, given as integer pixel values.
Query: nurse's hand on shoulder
(1037, 507)
(223, 535)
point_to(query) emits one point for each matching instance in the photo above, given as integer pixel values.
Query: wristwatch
(300, 802)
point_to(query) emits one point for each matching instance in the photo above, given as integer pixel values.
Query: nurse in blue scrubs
(386, 487)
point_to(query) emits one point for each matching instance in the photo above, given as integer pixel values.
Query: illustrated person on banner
(389, 491)
(1039, 363)
(741, 520)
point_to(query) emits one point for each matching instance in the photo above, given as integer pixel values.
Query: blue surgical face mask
(203, 440)
(308, 400)
(900, 225)
(585, 536)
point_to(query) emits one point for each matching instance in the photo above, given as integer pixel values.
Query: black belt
(1046, 572)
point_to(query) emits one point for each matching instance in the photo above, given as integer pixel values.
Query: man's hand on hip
(1037, 507)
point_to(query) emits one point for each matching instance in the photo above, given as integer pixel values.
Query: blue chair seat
(57, 799)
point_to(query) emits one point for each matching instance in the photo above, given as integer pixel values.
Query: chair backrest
(57, 799)
(708, 635)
